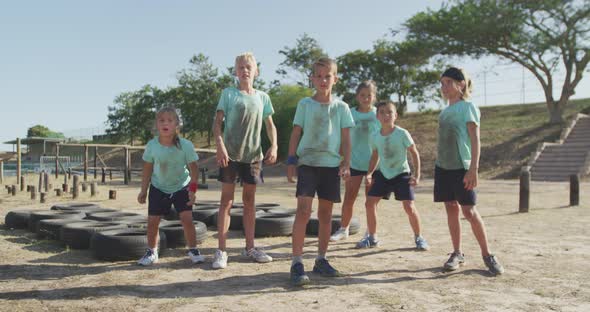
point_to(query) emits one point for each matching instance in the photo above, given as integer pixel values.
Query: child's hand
(271, 155)
(414, 181)
(369, 180)
(141, 197)
(344, 172)
(470, 179)
(222, 157)
(291, 173)
(192, 198)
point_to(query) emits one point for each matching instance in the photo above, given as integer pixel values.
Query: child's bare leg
(413, 216)
(452, 208)
(223, 219)
(249, 217)
(153, 235)
(325, 225)
(478, 228)
(371, 209)
(352, 186)
(186, 218)
(300, 225)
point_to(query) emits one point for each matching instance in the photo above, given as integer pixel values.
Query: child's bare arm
(222, 157)
(372, 166)
(346, 149)
(193, 168)
(470, 179)
(293, 143)
(146, 177)
(271, 131)
(415, 157)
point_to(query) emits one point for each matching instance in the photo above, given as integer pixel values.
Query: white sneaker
(149, 258)
(341, 234)
(220, 259)
(195, 256)
(257, 254)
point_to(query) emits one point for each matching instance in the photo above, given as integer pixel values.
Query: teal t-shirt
(322, 124)
(244, 115)
(170, 172)
(393, 151)
(454, 146)
(366, 124)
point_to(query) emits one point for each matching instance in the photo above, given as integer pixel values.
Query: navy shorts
(448, 186)
(247, 173)
(399, 185)
(160, 203)
(323, 180)
(356, 173)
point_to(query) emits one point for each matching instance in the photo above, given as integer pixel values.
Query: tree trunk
(555, 112)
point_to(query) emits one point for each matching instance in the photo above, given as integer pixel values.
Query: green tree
(299, 60)
(542, 36)
(43, 132)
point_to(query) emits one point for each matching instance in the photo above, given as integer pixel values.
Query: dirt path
(546, 254)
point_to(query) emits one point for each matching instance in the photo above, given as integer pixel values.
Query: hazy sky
(63, 62)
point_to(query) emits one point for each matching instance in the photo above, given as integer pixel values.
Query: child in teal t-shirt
(321, 130)
(390, 146)
(366, 124)
(170, 171)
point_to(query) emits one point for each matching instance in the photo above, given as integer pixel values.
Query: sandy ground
(546, 253)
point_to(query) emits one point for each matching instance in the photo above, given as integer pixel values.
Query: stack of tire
(110, 234)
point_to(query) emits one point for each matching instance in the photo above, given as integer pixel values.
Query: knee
(470, 214)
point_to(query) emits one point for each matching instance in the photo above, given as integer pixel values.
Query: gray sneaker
(421, 243)
(493, 265)
(298, 276)
(455, 260)
(367, 242)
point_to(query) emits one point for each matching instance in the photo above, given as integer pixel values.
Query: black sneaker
(455, 260)
(493, 265)
(323, 267)
(298, 277)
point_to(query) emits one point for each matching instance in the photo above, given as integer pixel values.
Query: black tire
(97, 210)
(207, 203)
(76, 206)
(313, 225)
(51, 228)
(267, 206)
(175, 233)
(236, 216)
(52, 214)
(289, 211)
(110, 216)
(207, 216)
(122, 245)
(274, 224)
(18, 219)
(141, 224)
(354, 226)
(77, 235)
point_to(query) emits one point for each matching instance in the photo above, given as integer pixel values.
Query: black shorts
(448, 186)
(247, 173)
(159, 203)
(399, 185)
(323, 180)
(356, 173)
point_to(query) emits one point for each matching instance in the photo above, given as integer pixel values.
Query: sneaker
(421, 243)
(367, 242)
(257, 254)
(341, 234)
(220, 260)
(323, 267)
(195, 255)
(149, 258)
(455, 260)
(493, 265)
(298, 277)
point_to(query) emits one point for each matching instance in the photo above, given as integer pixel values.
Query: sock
(373, 237)
(321, 256)
(296, 259)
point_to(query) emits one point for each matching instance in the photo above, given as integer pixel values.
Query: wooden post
(126, 167)
(18, 160)
(75, 186)
(85, 162)
(203, 176)
(95, 161)
(33, 192)
(13, 190)
(112, 194)
(56, 161)
(103, 179)
(45, 181)
(41, 180)
(129, 166)
(22, 183)
(525, 188)
(574, 190)
(111, 174)
(42, 197)
(93, 189)
(1, 171)
(28, 188)
(58, 192)
(84, 186)
(69, 173)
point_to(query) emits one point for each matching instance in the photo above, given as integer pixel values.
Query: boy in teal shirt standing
(321, 129)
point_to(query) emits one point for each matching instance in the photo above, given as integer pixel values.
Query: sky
(62, 63)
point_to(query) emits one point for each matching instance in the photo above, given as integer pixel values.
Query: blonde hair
(456, 74)
(325, 62)
(175, 113)
(369, 84)
(246, 56)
